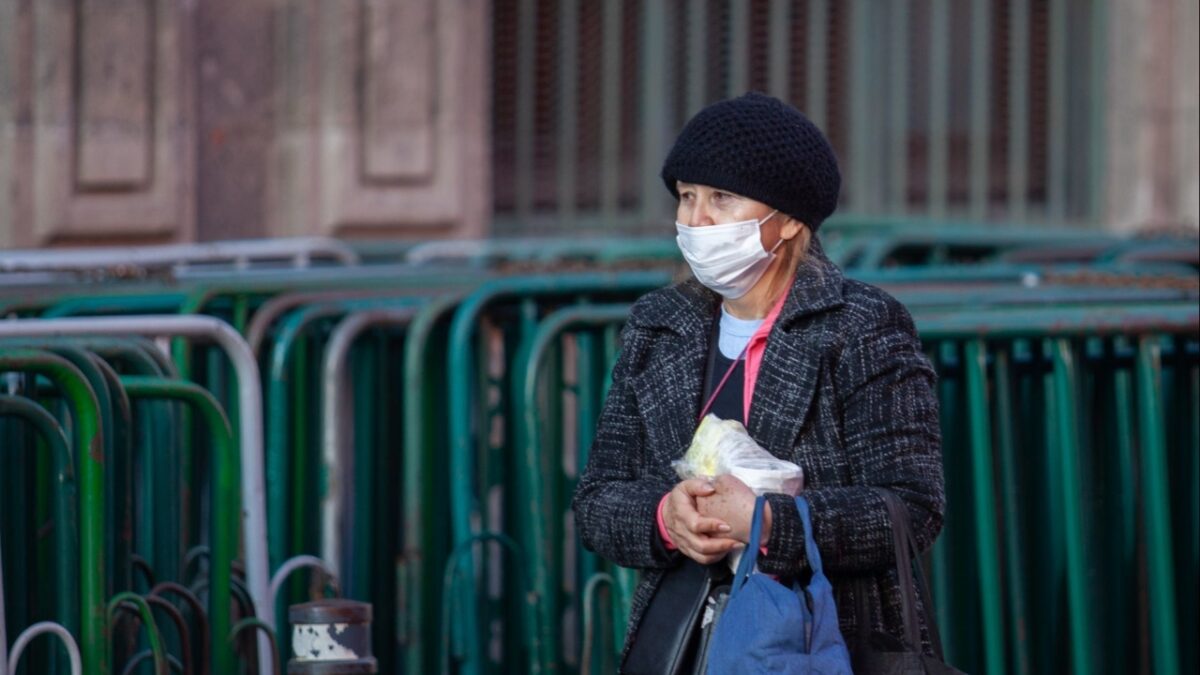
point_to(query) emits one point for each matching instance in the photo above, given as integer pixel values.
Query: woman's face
(701, 206)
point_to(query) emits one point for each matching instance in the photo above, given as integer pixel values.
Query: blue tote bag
(767, 627)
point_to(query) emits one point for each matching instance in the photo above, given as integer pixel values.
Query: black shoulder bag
(882, 654)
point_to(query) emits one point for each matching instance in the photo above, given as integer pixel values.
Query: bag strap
(750, 555)
(907, 558)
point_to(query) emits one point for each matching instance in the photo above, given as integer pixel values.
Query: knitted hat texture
(762, 148)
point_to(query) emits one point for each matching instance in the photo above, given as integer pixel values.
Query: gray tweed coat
(844, 391)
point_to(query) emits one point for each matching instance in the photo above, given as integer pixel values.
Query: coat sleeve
(616, 501)
(890, 426)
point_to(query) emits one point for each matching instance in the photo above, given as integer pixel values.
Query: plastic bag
(722, 447)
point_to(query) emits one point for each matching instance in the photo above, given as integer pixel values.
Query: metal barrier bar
(465, 508)
(530, 481)
(120, 454)
(462, 551)
(66, 559)
(338, 446)
(1155, 492)
(423, 540)
(986, 520)
(1014, 547)
(240, 253)
(157, 454)
(223, 497)
(136, 603)
(86, 433)
(250, 429)
(289, 338)
(1067, 454)
(10, 664)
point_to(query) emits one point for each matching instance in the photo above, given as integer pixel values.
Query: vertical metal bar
(86, 433)
(223, 493)
(983, 490)
(1014, 547)
(863, 149)
(779, 43)
(1051, 533)
(525, 104)
(654, 107)
(697, 51)
(1018, 111)
(1056, 130)
(739, 48)
(1068, 451)
(1156, 500)
(610, 124)
(898, 58)
(1097, 91)
(568, 111)
(65, 557)
(531, 484)
(939, 87)
(422, 555)
(1123, 546)
(981, 88)
(249, 399)
(817, 61)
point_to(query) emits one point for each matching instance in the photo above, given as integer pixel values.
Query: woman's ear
(790, 228)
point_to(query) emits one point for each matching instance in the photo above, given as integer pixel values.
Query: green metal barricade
(1058, 464)
(426, 420)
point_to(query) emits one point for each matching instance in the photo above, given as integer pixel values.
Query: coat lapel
(791, 366)
(668, 390)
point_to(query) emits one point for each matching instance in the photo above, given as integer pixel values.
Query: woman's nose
(700, 216)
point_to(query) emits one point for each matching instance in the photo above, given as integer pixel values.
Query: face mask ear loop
(769, 216)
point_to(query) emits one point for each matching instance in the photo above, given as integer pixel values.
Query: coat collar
(688, 310)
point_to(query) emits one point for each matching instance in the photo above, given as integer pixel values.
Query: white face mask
(729, 258)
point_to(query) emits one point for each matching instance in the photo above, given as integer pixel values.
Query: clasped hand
(708, 518)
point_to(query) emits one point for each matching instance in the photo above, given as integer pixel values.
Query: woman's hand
(731, 501)
(705, 540)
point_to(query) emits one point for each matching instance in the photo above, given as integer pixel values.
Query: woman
(827, 373)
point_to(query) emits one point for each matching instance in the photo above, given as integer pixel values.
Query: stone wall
(177, 120)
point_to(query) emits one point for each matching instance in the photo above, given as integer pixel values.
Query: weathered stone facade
(175, 120)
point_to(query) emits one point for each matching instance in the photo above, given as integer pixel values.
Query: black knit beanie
(762, 148)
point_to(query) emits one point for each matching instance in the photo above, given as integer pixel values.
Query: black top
(730, 401)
